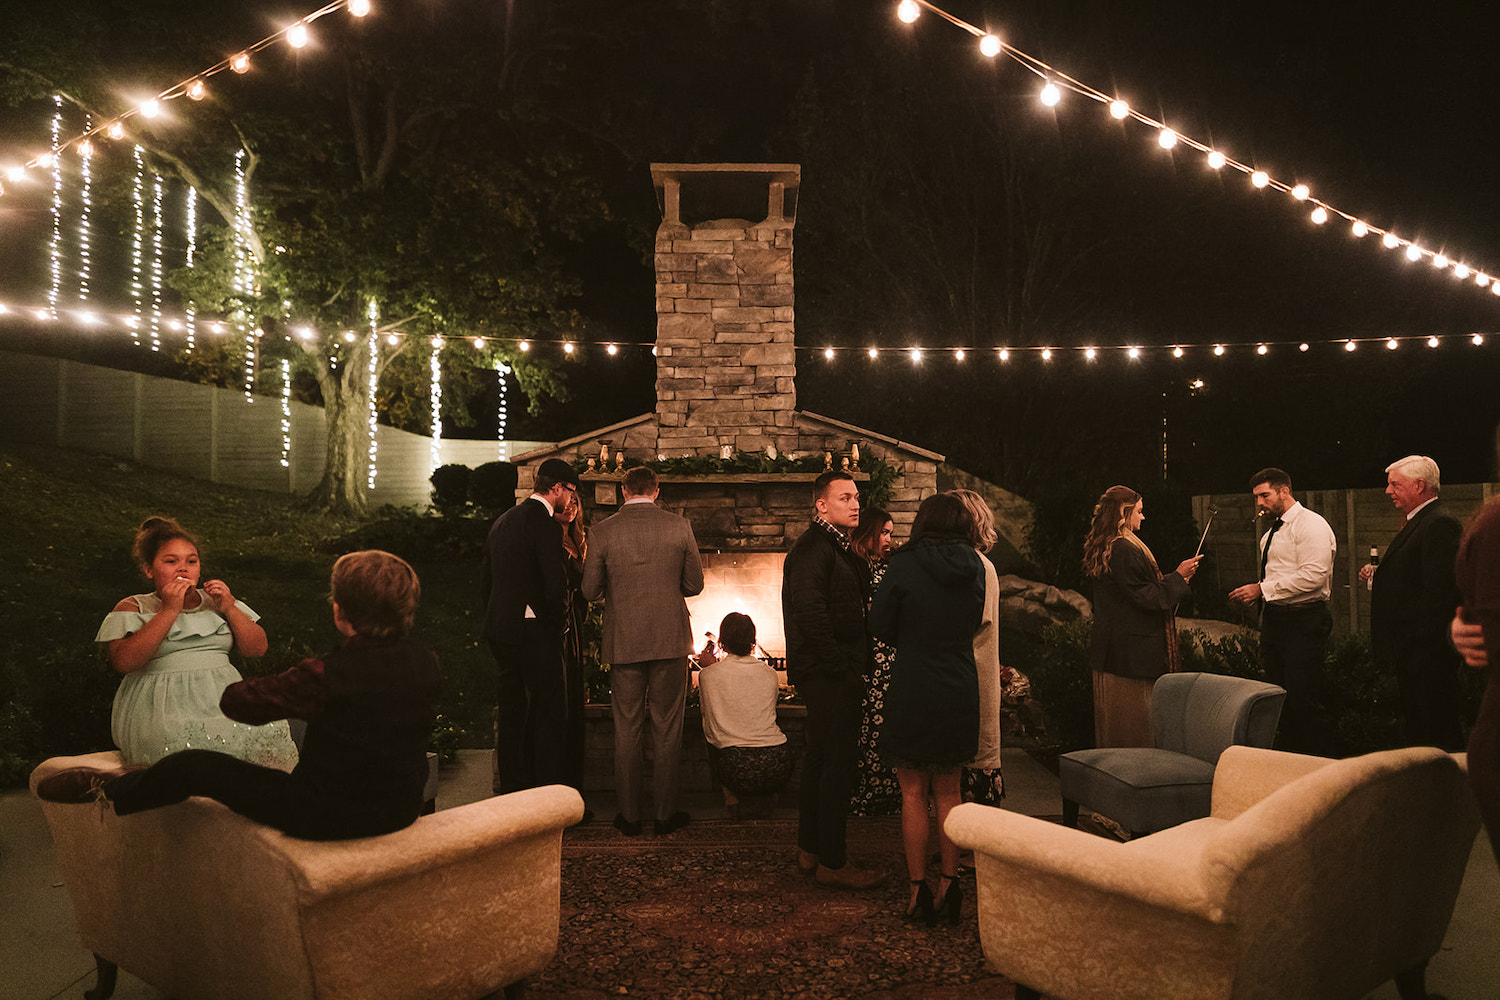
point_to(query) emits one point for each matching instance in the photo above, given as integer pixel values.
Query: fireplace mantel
(723, 477)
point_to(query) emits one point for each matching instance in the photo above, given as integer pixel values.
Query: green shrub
(492, 487)
(1058, 668)
(450, 487)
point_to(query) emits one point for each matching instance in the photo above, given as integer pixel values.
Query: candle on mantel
(854, 452)
(726, 451)
(771, 452)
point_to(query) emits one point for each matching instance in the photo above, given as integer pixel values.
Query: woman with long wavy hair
(1135, 630)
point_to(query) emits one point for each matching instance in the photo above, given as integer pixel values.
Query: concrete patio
(41, 958)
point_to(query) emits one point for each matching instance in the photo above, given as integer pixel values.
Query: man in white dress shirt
(1296, 581)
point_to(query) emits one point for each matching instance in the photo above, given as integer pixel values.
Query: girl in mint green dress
(173, 647)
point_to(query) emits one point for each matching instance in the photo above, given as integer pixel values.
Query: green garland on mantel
(874, 493)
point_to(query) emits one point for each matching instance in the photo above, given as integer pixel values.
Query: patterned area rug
(718, 911)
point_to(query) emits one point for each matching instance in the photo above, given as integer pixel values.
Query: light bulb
(392, 339)
(1359, 228)
(1261, 350)
(45, 160)
(1478, 338)
(1391, 241)
(828, 353)
(1217, 159)
(15, 174)
(305, 332)
(1301, 191)
(150, 109)
(958, 355)
(1166, 138)
(1392, 344)
(1439, 261)
(1481, 279)
(1046, 354)
(990, 46)
(908, 10)
(1413, 252)
(568, 347)
(197, 90)
(1320, 215)
(1090, 353)
(115, 130)
(1218, 350)
(1302, 347)
(525, 345)
(240, 63)
(1004, 354)
(1460, 271)
(437, 341)
(359, 8)
(1260, 178)
(1133, 353)
(478, 343)
(296, 35)
(85, 148)
(1051, 95)
(1350, 345)
(873, 353)
(348, 336)
(1177, 352)
(916, 355)
(612, 350)
(1118, 108)
(1432, 341)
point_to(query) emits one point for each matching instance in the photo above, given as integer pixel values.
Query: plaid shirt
(838, 533)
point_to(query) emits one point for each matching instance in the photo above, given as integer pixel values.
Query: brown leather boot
(79, 784)
(851, 876)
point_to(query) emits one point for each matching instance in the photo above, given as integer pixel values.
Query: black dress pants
(1293, 641)
(267, 796)
(830, 766)
(531, 732)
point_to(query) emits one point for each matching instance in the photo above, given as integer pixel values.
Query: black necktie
(1265, 554)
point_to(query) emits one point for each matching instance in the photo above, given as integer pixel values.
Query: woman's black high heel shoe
(921, 909)
(952, 900)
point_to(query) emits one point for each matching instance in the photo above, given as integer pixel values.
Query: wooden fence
(1360, 519)
(207, 432)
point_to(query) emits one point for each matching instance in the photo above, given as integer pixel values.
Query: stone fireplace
(726, 363)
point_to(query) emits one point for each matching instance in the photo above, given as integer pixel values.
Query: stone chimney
(725, 359)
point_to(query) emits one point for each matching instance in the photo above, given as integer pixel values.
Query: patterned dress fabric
(876, 793)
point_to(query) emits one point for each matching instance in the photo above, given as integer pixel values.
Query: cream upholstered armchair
(1311, 880)
(200, 902)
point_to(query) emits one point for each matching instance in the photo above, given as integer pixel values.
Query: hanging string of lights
(373, 346)
(190, 224)
(137, 245)
(156, 268)
(194, 88)
(1054, 82)
(54, 246)
(86, 206)
(435, 396)
(286, 413)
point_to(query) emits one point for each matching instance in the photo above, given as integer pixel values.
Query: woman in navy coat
(1135, 630)
(928, 607)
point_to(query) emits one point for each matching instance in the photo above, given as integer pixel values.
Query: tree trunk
(344, 488)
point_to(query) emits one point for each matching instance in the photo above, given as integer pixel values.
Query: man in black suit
(1413, 594)
(526, 594)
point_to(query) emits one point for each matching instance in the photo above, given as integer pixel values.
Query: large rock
(1028, 606)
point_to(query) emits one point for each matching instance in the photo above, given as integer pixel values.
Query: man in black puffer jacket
(823, 594)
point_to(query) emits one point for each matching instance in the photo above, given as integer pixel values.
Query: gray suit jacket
(643, 562)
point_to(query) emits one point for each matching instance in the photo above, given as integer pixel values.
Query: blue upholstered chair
(1194, 718)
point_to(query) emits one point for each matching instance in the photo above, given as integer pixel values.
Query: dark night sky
(1386, 111)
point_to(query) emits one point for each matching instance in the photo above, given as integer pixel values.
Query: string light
(1177, 352)
(1432, 341)
(1302, 347)
(1167, 138)
(197, 90)
(479, 344)
(190, 227)
(1413, 252)
(1391, 241)
(916, 355)
(296, 35)
(501, 414)
(1046, 354)
(1391, 344)
(149, 109)
(54, 248)
(990, 46)
(435, 398)
(137, 244)
(1004, 354)
(1218, 350)
(156, 268)
(286, 413)
(1090, 353)
(86, 205)
(359, 8)
(240, 63)
(568, 347)
(1350, 346)
(828, 353)
(1477, 339)
(373, 347)
(1261, 349)
(1133, 353)
(525, 345)
(873, 354)
(958, 355)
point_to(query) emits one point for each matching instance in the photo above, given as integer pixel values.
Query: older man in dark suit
(642, 562)
(526, 594)
(1412, 600)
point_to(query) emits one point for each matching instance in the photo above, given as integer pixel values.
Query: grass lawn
(69, 519)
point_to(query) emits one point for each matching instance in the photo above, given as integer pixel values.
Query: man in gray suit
(643, 562)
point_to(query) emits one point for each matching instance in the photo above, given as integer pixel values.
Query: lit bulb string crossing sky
(1055, 82)
(915, 354)
(194, 88)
